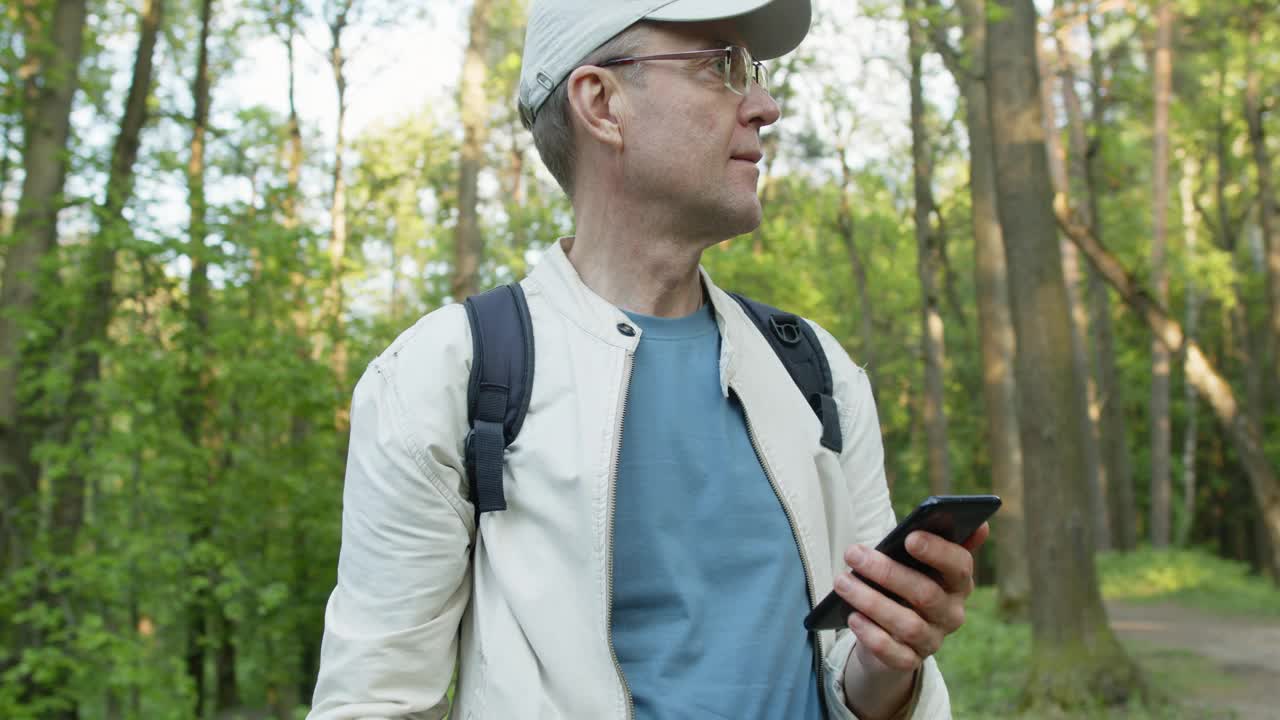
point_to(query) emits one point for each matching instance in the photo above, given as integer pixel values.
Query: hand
(894, 637)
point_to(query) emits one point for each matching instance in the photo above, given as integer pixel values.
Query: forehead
(675, 37)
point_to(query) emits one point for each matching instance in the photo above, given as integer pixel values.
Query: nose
(758, 108)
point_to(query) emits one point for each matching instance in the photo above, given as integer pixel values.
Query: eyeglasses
(739, 69)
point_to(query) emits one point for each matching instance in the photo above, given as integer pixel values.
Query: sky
(416, 62)
(394, 71)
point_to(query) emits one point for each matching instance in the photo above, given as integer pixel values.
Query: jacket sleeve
(391, 625)
(863, 461)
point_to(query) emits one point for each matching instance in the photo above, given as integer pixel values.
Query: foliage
(1193, 576)
(213, 547)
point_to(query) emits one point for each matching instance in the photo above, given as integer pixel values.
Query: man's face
(690, 143)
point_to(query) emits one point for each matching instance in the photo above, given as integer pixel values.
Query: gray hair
(553, 126)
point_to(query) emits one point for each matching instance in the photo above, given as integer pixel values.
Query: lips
(751, 157)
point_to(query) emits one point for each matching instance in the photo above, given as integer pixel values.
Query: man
(671, 514)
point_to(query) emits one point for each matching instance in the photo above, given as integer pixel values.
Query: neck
(637, 264)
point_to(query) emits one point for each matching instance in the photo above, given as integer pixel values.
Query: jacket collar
(555, 278)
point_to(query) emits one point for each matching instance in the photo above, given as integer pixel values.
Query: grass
(1194, 578)
(985, 662)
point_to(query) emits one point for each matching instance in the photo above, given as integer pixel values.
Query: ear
(596, 102)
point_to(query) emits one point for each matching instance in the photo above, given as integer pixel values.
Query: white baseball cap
(563, 32)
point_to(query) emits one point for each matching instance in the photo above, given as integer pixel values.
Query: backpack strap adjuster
(498, 390)
(786, 328)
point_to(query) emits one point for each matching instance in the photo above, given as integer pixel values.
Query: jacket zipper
(819, 652)
(613, 504)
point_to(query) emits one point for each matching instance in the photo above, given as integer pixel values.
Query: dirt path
(1244, 650)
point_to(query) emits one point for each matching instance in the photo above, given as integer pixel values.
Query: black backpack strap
(499, 388)
(797, 346)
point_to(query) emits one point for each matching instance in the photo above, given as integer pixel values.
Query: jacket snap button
(626, 329)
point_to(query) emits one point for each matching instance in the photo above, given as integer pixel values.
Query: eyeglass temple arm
(667, 56)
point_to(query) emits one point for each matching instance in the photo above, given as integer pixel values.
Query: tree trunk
(468, 241)
(288, 688)
(1084, 157)
(89, 330)
(933, 346)
(197, 330)
(195, 391)
(848, 235)
(1094, 475)
(1213, 388)
(1245, 340)
(54, 64)
(1076, 660)
(294, 154)
(1268, 217)
(1161, 486)
(7, 126)
(226, 692)
(1190, 437)
(995, 327)
(338, 221)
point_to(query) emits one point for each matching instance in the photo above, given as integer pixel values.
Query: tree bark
(1076, 660)
(1095, 470)
(468, 240)
(1095, 476)
(195, 392)
(1161, 442)
(54, 66)
(338, 218)
(848, 235)
(294, 154)
(1268, 217)
(995, 326)
(1190, 437)
(89, 327)
(932, 330)
(284, 687)
(1084, 159)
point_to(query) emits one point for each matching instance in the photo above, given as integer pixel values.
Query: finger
(903, 624)
(883, 646)
(953, 562)
(917, 589)
(978, 538)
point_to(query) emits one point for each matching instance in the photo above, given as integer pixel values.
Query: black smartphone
(952, 517)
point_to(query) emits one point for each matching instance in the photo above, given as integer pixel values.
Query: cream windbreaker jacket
(525, 620)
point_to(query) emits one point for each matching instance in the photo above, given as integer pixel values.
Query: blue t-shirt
(709, 592)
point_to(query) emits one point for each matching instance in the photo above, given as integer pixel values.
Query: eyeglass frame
(759, 77)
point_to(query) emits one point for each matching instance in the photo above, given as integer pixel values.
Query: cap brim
(770, 28)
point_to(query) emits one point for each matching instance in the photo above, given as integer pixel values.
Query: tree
(88, 332)
(53, 67)
(932, 330)
(1084, 159)
(1268, 215)
(474, 105)
(1095, 477)
(1162, 75)
(338, 15)
(1190, 437)
(196, 395)
(1075, 658)
(995, 327)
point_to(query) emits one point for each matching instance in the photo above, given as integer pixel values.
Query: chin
(742, 220)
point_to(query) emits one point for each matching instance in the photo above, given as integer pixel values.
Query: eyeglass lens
(742, 70)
